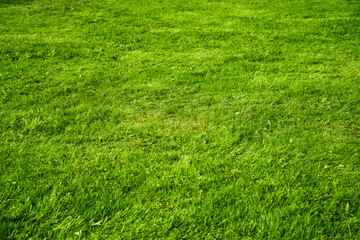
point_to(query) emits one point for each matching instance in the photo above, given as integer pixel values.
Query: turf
(185, 119)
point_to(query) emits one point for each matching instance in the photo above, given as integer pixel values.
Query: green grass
(179, 119)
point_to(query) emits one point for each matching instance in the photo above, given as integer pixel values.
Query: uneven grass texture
(203, 119)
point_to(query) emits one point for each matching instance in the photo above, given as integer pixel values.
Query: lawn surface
(170, 119)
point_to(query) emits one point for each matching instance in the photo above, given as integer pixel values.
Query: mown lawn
(202, 119)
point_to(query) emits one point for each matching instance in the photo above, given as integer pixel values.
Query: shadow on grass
(8, 2)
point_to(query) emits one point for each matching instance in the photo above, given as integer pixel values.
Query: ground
(179, 119)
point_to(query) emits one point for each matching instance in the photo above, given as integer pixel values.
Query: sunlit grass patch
(193, 119)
